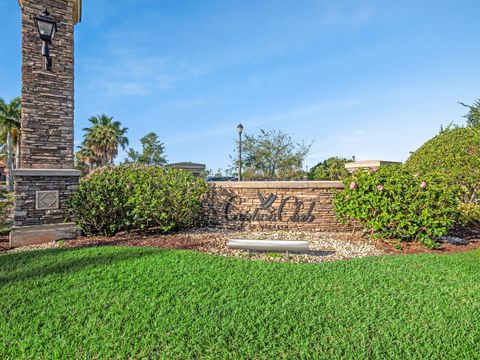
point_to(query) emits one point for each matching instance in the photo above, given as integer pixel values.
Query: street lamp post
(240, 131)
(47, 27)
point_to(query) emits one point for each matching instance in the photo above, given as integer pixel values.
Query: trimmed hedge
(137, 197)
(454, 153)
(392, 203)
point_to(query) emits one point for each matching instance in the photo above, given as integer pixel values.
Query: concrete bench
(269, 245)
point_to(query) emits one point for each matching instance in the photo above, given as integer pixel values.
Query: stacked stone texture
(47, 97)
(308, 206)
(26, 213)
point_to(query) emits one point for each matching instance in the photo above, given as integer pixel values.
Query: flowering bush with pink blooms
(391, 202)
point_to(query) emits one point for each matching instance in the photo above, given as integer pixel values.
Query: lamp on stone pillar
(46, 177)
(47, 27)
(240, 132)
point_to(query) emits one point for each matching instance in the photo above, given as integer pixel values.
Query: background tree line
(267, 155)
(10, 115)
(103, 139)
(275, 155)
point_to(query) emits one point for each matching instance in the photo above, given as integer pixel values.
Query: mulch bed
(180, 241)
(415, 248)
(4, 245)
(471, 235)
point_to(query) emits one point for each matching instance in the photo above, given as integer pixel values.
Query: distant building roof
(195, 169)
(221, 178)
(181, 164)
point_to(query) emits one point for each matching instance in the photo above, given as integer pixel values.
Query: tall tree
(272, 155)
(473, 115)
(10, 114)
(16, 143)
(153, 151)
(85, 159)
(104, 137)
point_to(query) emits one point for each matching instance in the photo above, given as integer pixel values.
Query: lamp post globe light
(46, 27)
(240, 131)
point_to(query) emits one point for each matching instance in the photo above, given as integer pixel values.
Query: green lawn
(118, 302)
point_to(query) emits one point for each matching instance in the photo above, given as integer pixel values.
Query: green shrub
(469, 215)
(99, 205)
(454, 153)
(393, 203)
(7, 202)
(331, 169)
(136, 197)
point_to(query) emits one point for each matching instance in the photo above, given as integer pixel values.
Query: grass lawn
(119, 302)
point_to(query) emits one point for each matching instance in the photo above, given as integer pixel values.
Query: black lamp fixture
(240, 131)
(47, 27)
(240, 128)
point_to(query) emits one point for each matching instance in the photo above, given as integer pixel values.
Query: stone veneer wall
(47, 97)
(283, 205)
(26, 212)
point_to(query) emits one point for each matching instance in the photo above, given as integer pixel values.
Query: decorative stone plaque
(46, 200)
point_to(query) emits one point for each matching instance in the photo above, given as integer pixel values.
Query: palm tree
(10, 114)
(85, 158)
(16, 132)
(104, 137)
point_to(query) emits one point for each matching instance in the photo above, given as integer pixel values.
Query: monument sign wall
(273, 205)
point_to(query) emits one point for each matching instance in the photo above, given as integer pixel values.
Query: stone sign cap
(367, 164)
(77, 9)
(47, 172)
(279, 184)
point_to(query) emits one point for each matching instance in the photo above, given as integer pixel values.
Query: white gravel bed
(323, 246)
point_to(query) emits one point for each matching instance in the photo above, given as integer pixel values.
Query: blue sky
(374, 79)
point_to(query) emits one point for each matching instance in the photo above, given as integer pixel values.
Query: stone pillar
(46, 176)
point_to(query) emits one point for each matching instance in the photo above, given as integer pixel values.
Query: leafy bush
(393, 203)
(99, 205)
(134, 197)
(469, 215)
(454, 153)
(331, 169)
(7, 201)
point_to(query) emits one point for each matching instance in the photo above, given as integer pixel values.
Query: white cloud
(134, 73)
(164, 81)
(186, 103)
(338, 13)
(129, 88)
(308, 111)
(297, 116)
